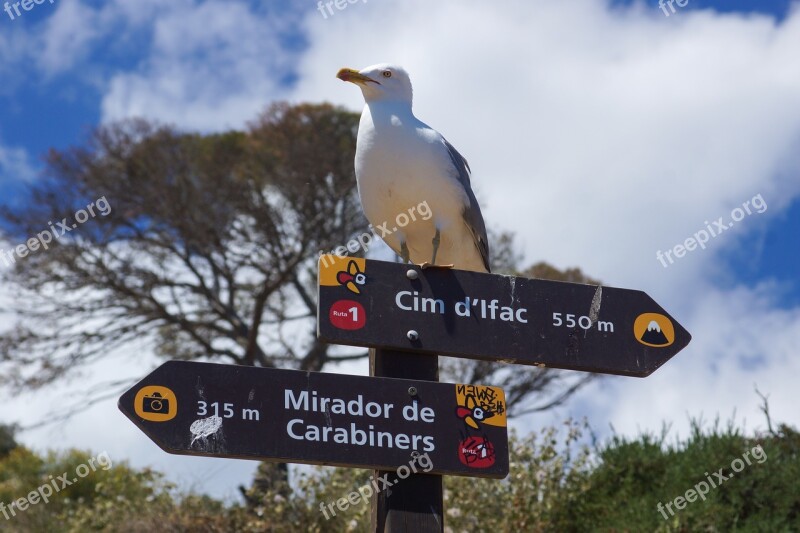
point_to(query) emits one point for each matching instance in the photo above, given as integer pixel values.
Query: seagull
(402, 162)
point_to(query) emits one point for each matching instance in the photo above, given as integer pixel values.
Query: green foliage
(94, 501)
(547, 469)
(559, 481)
(633, 477)
(301, 509)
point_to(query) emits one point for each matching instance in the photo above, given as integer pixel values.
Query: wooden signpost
(400, 413)
(404, 312)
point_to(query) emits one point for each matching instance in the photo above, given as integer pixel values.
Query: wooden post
(414, 504)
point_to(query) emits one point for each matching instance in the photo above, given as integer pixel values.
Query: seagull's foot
(404, 252)
(425, 265)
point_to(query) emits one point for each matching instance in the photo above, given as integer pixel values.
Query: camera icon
(156, 403)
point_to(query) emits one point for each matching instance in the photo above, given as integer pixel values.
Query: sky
(599, 132)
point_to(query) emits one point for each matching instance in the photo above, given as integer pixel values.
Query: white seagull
(401, 162)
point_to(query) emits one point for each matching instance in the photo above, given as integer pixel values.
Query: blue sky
(612, 132)
(776, 8)
(42, 110)
(39, 111)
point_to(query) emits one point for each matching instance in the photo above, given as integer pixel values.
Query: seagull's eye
(387, 73)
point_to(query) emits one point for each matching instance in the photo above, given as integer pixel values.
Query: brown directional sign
(496, 318)
(268, 414)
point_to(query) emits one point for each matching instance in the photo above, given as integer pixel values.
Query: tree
(7, 441)
(108, 496)
(208, 250)
(562, 479)
(200, 246)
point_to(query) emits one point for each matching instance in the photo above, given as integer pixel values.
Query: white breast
(400, 164)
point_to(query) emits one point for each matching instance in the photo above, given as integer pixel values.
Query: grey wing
(472, 213)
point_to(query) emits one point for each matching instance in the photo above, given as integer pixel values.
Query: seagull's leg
(404, 252)
(437, 238)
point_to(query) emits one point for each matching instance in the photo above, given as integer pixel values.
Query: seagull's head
(380, 82)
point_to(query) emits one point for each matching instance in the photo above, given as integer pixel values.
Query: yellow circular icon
(653, 329)
(156, 403)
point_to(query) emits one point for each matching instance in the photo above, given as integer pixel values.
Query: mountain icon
(653, 335)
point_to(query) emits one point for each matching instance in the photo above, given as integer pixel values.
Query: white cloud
(16, 165)
(58, 44)
(103, 427)
(601, 136)
(67, 36)
(212, 66)
(605, 127)
(208, 65)
(741, 340)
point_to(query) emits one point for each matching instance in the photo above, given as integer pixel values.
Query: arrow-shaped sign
(496, 318)
(317, 418)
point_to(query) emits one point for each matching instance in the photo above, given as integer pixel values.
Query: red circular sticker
(476, 452)
(347, 314)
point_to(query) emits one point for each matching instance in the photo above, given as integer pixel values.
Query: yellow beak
(354, 76)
